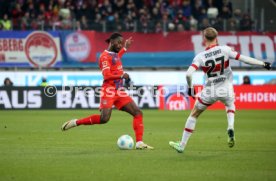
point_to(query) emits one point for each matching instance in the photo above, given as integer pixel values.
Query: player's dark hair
(210, 33)
(113, 36)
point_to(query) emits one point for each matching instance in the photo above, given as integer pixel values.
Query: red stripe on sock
(188, 130)
(231, 111)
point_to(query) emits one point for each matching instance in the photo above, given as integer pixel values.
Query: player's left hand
(128, 42)
(125, 76)
(267, 65)
(128, 83)
(191, 92)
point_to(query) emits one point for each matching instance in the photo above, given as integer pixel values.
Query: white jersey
(214, 61)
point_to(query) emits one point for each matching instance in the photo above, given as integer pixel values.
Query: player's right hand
(128, 42)
(191, 92)
(267, 65)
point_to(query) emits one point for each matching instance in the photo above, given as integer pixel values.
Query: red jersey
(112, 68)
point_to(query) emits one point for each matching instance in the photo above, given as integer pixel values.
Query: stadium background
(59, 41)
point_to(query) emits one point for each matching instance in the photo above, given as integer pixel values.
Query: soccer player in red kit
(112, 92)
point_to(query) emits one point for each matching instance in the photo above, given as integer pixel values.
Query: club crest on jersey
(114, 58)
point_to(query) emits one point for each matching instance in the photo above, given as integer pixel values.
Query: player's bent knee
(231, 107)
(137, 112)
(196, 111)
(195, 114)
(104, 119)
(199, 106)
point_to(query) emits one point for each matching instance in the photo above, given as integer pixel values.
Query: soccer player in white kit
(214, 61)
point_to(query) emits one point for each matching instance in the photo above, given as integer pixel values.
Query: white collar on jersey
(109, 51)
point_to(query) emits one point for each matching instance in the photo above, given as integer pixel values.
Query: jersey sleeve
(196, 62)
(232, 53)
(122, 52)
(105, 65)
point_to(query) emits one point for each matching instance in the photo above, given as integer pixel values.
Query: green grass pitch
(33, 148)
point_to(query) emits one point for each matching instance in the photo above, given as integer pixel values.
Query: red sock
(93, 119)
(138, 127)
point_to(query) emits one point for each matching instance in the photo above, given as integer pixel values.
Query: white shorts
(213, 93)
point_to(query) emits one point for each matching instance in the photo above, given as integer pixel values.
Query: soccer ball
(125, 142)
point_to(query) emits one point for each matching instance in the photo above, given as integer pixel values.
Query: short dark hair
(113, 36)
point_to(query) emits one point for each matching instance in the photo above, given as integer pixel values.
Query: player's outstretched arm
(253, 61)
(128, 42)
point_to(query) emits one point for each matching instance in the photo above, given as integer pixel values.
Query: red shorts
(118, 98)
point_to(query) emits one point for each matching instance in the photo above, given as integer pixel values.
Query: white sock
(75, 122)
(189, 128)
(230, 112)
(230, 119)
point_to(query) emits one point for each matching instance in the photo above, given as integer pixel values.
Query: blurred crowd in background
(146, 16)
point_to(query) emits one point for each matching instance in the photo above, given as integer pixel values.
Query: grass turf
(32, 147)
